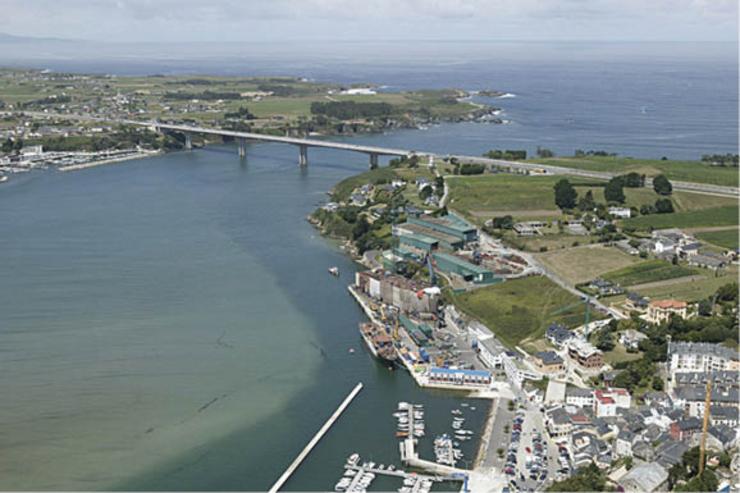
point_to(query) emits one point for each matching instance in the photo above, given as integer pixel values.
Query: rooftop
(461, 262)
(451, 220)
(704, 348)
(548, 357)
(668, 304)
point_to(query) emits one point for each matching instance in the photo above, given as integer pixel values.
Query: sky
(363, 20)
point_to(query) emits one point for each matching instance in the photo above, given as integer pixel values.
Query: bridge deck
(276, 138)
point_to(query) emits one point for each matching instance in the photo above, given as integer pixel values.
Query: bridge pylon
(242, 147)
(373, 160)
(188, 142)
(302, 155)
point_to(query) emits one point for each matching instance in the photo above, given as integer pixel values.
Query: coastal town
(69, 121)
(596, 318)
(621, 384)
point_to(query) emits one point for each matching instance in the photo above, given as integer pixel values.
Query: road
(685, 186)
(540, 268)
(704, 188)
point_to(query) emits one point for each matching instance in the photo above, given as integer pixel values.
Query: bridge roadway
(375, 151)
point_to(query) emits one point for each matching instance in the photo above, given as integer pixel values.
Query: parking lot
(532, 459)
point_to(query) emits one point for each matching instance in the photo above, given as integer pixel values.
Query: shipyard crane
(430, 266)
(587, 315)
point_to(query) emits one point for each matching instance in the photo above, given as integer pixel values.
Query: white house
(620, 212)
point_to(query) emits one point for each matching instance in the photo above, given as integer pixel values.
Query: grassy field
(649, 271)
(502, 192)
(619, 354)
(694, 290)
(530, 197)
(522, 308)
(716, 216)
(725, 239)
(581, 264)
(682, 201)
(548, 242)
(677, 170)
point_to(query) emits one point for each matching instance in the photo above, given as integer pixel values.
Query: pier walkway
(304, 453)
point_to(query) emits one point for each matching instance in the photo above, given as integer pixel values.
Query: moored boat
(379, 342)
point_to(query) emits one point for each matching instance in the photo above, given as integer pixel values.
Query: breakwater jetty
(307, 449)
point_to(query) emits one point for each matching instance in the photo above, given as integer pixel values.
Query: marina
(359, 476)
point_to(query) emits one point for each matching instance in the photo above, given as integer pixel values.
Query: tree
(544, 152)
(7, 146)
(728, 292)
(661, 185)
(633, 180)
(614, 191)
(663, 206)
(589, 478)
(587, 202)
(360, 228)
(605, 341)
(657, 383)
(503, 222)
(706, 482)
(705, 308)
(565, 194)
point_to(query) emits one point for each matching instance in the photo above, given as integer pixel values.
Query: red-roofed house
(660, 311)
(607, 401)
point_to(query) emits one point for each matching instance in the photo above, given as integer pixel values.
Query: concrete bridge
(374, 152)
(303, 144)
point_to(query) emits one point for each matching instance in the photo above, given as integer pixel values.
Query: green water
(169, 324)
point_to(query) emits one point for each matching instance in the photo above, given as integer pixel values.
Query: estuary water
(169, 323)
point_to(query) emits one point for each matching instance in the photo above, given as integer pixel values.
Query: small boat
(351, 350)
(334, 271)
(353, 459)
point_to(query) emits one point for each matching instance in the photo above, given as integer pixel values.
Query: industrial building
(452, 264)
(424, 234)
(460, 377)
(405, 294)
